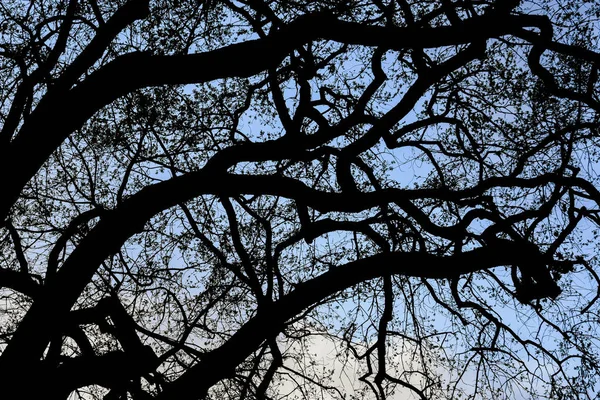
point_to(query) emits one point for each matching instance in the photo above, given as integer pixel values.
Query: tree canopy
(297, 199)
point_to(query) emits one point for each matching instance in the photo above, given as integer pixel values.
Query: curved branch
(142, 69)
(194, 383)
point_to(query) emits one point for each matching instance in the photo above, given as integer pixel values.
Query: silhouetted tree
(198, 196)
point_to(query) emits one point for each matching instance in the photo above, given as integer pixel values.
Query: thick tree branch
(194, 383)
(118, 225)
(137, 70)
(22, 283)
